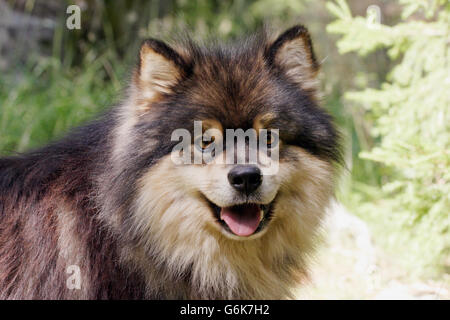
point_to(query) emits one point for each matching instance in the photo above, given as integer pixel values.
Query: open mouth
(245, 219)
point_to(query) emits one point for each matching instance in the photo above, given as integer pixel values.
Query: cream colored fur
(183, 232)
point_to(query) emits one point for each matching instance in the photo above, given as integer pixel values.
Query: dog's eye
(269, 138)
(204, 145)
(272, 139)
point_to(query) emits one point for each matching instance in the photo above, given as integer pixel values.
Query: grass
(45, 100)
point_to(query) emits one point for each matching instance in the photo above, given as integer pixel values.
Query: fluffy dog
(110, 202)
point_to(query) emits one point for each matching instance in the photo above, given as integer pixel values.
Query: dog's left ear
(292, 52)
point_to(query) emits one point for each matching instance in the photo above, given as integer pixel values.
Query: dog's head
(228, 138)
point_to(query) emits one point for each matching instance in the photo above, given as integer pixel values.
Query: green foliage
(47, 100)
(411, 122)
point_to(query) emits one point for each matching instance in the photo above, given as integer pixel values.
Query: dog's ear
(292, 52)
(160, 68)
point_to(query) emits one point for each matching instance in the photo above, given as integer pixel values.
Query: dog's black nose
(245, 178)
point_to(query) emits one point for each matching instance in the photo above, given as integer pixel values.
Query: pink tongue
(243, 220)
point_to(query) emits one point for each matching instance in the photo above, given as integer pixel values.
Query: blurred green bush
(411, 125)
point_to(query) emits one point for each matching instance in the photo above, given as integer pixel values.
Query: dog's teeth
(261, 215)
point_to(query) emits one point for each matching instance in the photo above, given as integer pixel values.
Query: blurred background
(385, 77)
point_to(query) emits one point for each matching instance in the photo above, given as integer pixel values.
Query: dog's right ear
(160, 68)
